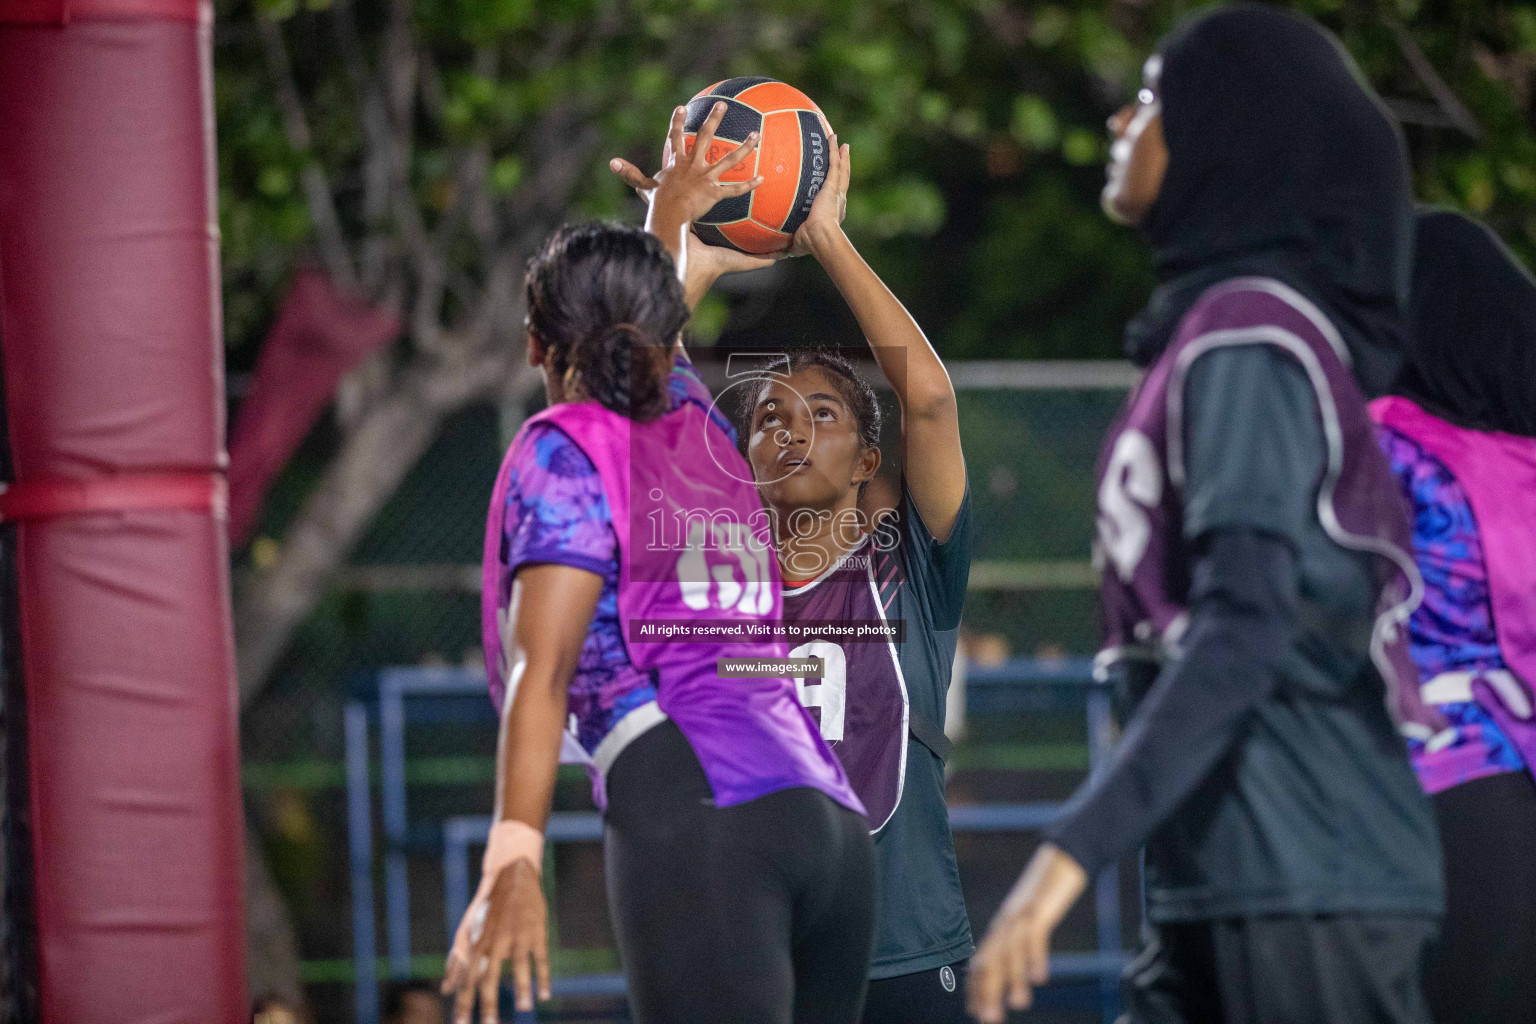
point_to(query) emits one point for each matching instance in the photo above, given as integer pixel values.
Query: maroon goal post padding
(112, 362)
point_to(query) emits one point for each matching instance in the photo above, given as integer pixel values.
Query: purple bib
(861, 699)
(1140, 545)
(1498, 473)
(691, 539)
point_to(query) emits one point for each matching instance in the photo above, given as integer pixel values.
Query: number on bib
(752, 594)
(1132, 483)
(830, 692)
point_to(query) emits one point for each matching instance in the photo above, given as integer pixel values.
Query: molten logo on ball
(818, 173)
(791, 156)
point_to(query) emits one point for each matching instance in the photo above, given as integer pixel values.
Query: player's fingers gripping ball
(792, 157)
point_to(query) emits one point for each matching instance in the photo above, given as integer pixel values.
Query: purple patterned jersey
(556, 511)
(1452, 634)
(666, 513)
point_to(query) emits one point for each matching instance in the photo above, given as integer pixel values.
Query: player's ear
(536, 349)
(866, 465)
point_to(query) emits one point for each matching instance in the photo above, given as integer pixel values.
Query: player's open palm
(831, 203)
(718, 259)
(687, 180)
(508, 920)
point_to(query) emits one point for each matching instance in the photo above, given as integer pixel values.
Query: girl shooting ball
(737, 857)
(813, 444)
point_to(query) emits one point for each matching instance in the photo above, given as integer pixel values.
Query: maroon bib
(860, 702)
(1140, 545)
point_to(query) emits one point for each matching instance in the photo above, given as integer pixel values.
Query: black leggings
(1287, 969)
(760, 913)
(934, 996)
(1484, 971)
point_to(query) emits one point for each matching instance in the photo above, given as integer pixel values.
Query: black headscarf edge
(1284, 164)
(1472, 327)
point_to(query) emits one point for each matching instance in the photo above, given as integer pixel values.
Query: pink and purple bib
(693, 552)
(1474, 640)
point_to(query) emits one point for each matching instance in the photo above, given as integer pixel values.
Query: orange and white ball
(792, 156)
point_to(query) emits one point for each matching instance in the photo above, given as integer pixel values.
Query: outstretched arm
(1242, 621)
(930, 423)
(685, 189)
(1254, 453)
(551, 610)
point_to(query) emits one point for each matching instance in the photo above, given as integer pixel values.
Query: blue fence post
(1106, 891)
(460, 833)
(397, 901)
(360, 854)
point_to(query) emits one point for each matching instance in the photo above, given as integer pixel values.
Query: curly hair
(597, 294)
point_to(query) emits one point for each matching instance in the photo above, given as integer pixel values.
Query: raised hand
(704, 264)
(688, 184)
(687, 187)
(707, 263)
(644, 185)
(830, 205)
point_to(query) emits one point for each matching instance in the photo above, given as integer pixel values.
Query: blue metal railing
(990, 689)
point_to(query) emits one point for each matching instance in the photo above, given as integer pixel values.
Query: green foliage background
(978, 139)
(977, 129)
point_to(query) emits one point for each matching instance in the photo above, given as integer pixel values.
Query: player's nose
(791, 435)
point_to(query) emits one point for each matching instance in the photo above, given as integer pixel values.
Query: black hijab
(1472, 328)
(1282, 162)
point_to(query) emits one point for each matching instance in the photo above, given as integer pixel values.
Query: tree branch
(400, 62)
(388, 440)
(330, 241)
(377, 149)
(1445, 96)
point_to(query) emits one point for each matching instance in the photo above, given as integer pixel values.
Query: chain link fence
(409, 595)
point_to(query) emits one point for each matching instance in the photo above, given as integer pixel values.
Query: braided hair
(605, 301)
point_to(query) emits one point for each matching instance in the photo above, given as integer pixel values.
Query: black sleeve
(1242, 620)
(1255, 454)
(1254, 443)
(939, 569)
